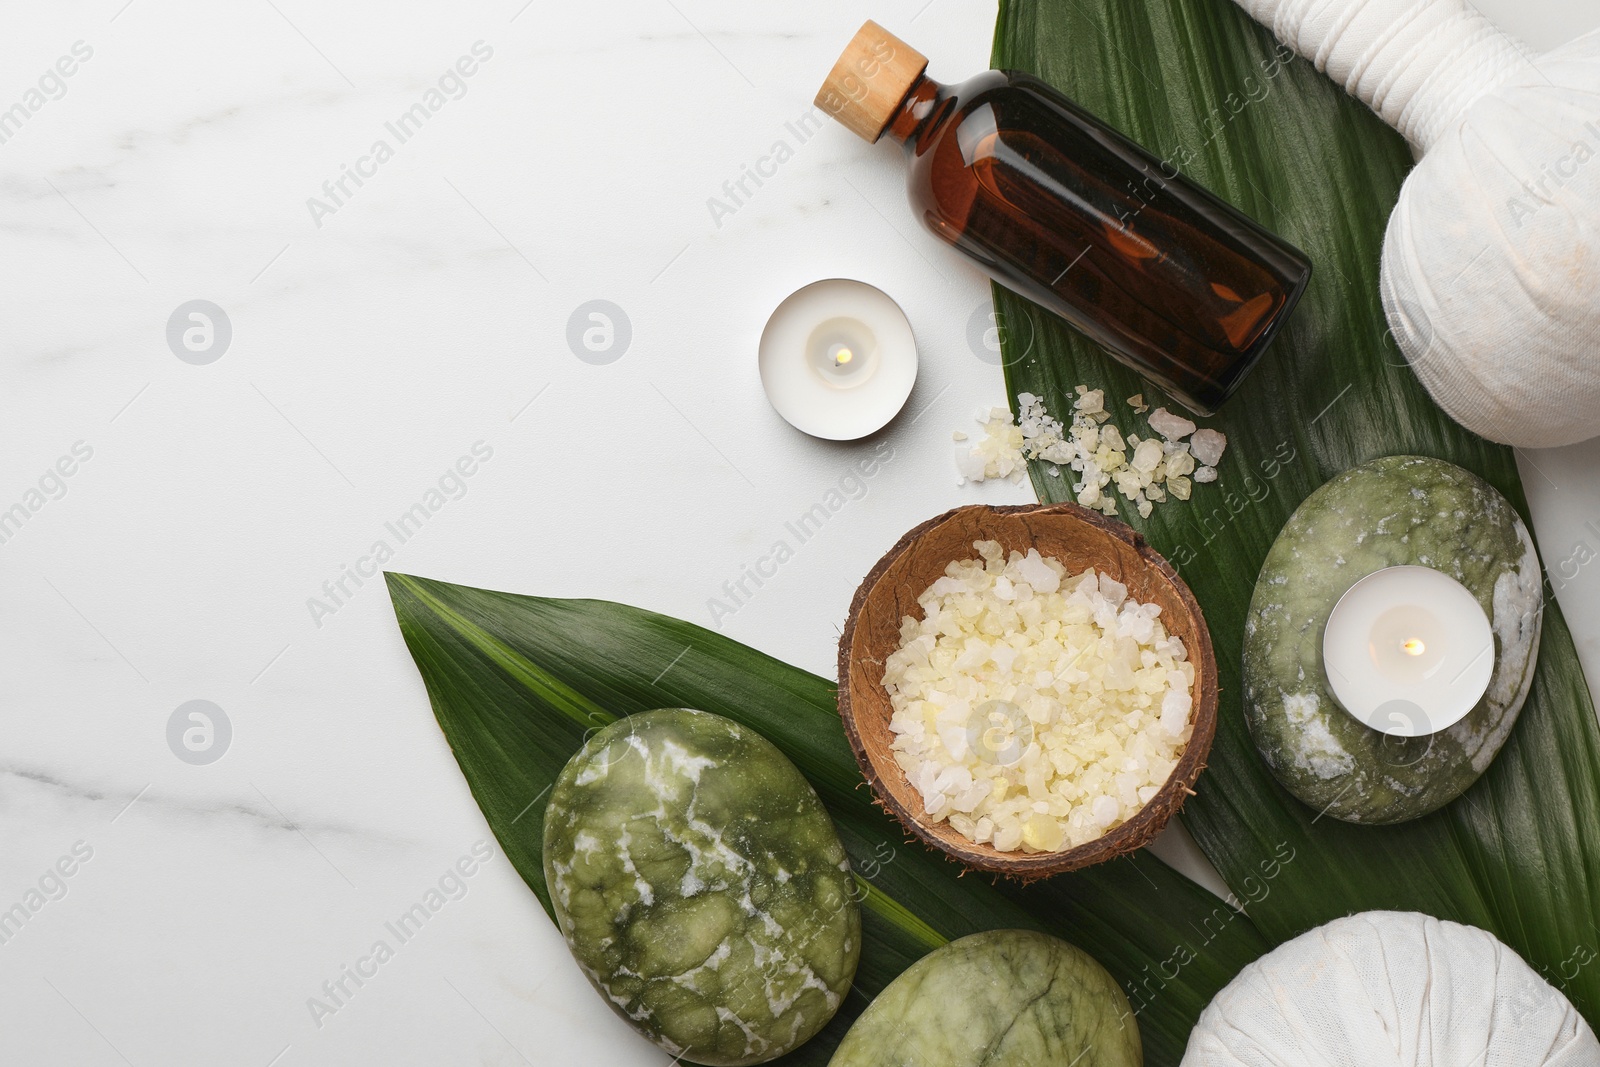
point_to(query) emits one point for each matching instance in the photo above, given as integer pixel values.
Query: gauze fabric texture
(1391, 989)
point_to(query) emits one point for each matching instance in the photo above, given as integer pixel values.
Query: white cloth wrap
(1391, 989)
(1417, 63)
(1491, 264)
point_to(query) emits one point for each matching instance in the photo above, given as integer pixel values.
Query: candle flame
(843, 356)
(1414, 647)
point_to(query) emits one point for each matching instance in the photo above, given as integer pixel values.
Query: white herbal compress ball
(1491, 263)
(1391, 989)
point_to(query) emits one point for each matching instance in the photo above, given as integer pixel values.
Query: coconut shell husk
(1079, 539)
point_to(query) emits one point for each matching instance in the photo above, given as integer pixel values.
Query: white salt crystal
(1103, 811)
(1169, 425)
(1036, 572)
(1207, 446)
(1113, 590)
(969, 464)
(1145, 457)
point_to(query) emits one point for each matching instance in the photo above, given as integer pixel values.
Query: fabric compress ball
(1491, 263)
(1391, 989)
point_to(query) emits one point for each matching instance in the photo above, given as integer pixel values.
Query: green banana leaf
(1519, 853)
(517, 683)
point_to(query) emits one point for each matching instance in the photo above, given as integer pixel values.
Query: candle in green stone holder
(1398, 513)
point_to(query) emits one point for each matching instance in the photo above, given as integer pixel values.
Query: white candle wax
(1408, 651)
(838, 359)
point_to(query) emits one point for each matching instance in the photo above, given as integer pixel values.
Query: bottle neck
(915, 111)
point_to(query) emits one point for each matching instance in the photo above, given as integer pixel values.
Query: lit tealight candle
(1408, 651)
(838, 359)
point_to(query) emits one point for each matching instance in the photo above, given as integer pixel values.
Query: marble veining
(701, 886)
(365, 357)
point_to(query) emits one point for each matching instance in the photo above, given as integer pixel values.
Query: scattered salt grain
(1170, 426)
(1146, 456)
(1103, 462)
(1207, 446)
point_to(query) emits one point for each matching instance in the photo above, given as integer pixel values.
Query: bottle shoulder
(994, 99)
(990, 85)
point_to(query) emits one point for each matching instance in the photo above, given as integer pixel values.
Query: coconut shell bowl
(1080, 539)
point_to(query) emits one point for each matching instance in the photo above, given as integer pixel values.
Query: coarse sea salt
(1207, 446)
(1032, 709)
(1105, 463)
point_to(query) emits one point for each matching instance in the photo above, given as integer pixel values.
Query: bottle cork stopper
(872, 77)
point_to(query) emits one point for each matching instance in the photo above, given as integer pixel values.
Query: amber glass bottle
(1057, 206)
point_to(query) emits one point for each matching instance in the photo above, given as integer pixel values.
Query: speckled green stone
(701, 885)
(1003, 998)
(1393, 511)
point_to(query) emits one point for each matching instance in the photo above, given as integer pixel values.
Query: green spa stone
(701, 886)
(1390, 512)
(1002, 998)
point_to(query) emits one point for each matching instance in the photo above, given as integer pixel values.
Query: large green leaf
(517, 682)
(1519, 854)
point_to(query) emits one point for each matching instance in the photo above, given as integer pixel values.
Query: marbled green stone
(702, 887)
(1004, 998)
(1393, 511)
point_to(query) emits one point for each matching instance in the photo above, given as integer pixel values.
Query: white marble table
(411, 319)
